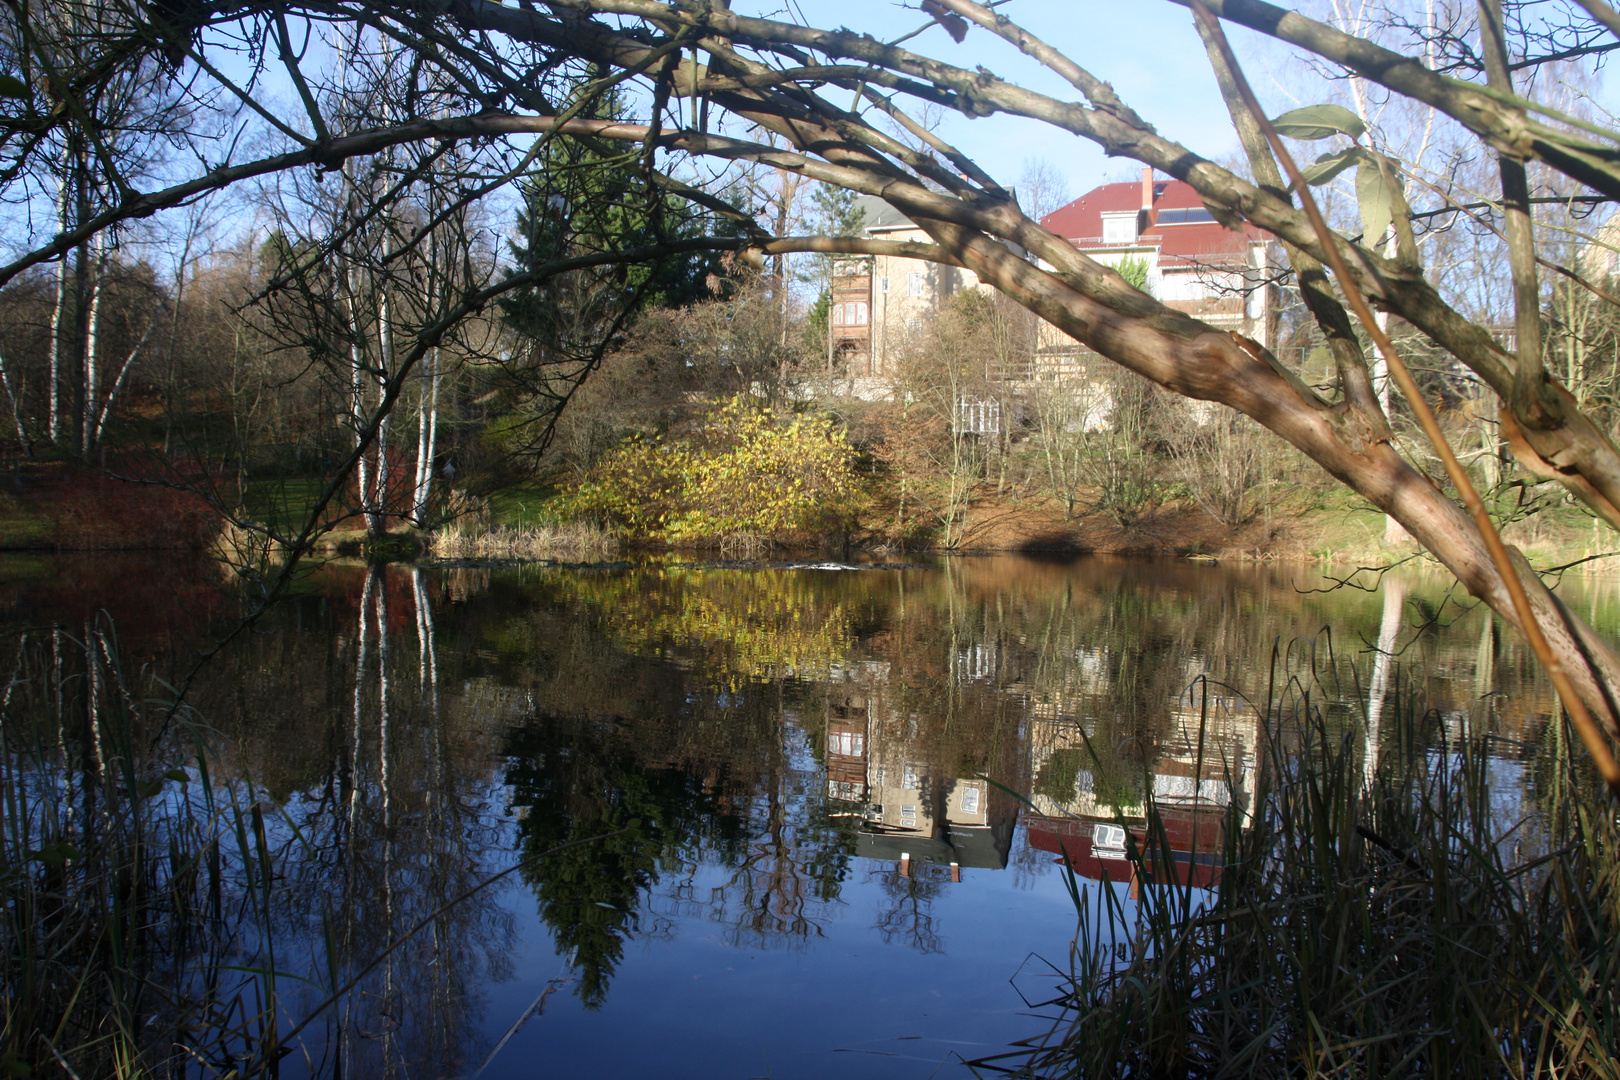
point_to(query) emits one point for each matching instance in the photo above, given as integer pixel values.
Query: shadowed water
(812, 861)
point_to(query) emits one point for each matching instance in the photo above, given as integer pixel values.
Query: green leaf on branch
(1375, 191)
(1327, 166)
(1319, 122)
(13, 87)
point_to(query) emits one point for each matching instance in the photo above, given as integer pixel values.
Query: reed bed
(1412, 918)
(471, 539)
(131, 895)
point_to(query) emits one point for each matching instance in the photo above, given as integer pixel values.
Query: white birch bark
(427, 436)
(118, 383)
(377, 521)
(58, 322)
(87, 429)
(16, 410)
(357, 369)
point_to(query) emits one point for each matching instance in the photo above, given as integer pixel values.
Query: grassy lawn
(522, 506)
(283, 505)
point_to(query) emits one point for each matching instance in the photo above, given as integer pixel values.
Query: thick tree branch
(1316, 289)
(1499, 119)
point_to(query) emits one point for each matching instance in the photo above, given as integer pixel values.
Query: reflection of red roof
(1080, 223)
(1195, 846)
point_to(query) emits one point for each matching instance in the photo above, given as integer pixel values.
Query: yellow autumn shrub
(749, 470)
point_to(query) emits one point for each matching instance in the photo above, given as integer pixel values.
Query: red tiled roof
(1080, 223)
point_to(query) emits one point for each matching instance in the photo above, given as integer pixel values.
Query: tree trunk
(92, 389)
(357, 410)
(58, 326)
(427, 434)
(16, 411)
(377, 519)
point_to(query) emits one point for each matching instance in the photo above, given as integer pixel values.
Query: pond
(796, 851)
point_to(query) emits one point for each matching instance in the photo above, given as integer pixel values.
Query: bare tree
(1042, 188)
(713, 78)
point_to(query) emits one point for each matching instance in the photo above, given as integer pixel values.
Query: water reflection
(1090, 802)
(388, 826)
(779, 758)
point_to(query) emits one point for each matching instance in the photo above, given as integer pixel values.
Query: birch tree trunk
(16, 410)
(427, 434)
(58, 324)
(357, 404)
(1388, 634)
(377, 519)
(92, 389)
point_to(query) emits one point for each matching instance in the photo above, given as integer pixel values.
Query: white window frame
(850, 313)
(1119, 228)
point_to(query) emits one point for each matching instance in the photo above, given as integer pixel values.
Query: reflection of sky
(698, 992)
(687, 1003)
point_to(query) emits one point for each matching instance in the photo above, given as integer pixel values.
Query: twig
(1590, 734)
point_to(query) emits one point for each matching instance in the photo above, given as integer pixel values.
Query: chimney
(1147, 198)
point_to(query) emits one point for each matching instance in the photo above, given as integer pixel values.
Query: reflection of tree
(793, 863)
(757, 624)
(574, 782)
(341, 724)
(905, 915)
(711, 729)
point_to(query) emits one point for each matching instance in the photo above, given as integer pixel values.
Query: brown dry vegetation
(57, 508)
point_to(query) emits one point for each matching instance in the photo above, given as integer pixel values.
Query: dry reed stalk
(473, 540)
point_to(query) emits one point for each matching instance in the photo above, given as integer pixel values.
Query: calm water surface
(821, 880)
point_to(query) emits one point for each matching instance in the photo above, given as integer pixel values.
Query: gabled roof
(1188, 236)
(880, 216)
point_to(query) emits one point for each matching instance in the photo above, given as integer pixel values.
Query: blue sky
(1147, 49)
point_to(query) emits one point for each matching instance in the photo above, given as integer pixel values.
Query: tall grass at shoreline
(1410, 922)
(118, 864)
(474, 539)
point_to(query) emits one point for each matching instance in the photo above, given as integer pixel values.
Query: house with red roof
(1193, 262)
(881, 304)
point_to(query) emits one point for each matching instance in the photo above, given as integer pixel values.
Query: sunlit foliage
(747, 472)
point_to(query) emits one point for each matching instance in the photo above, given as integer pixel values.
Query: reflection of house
(1191, 262)
(1096, 847)
(912, 811)
(846, 746)
(920, 812)
(1204, 762)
